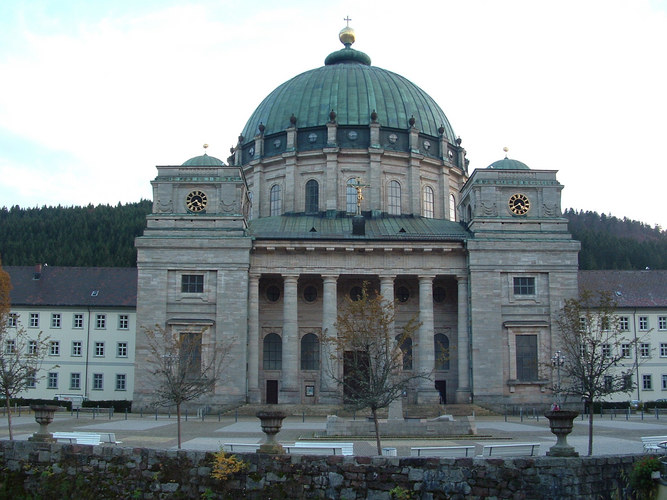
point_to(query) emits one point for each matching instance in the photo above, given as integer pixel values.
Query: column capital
(254, 276)
(330, 277)
(290, 277)
(461, 277)
(424, 277)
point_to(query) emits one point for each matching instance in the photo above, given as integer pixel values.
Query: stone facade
(81, 471)
(302, 217)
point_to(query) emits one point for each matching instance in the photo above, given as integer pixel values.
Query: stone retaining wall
(79, 471)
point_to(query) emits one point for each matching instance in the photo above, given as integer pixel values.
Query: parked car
(635, 404)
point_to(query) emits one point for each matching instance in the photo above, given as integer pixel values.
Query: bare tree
(21, 354)
(593, 346)
(373, 375)
(182, 366)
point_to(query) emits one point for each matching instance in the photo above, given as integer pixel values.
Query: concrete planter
(560, 422)
(272, 422)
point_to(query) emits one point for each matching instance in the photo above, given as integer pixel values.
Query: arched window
(394, 198)
(428, 202)
(406, 348)
(452, 208)
(351, 197)
(310, 352)
(441, 351)
(312, 196)
(276, 201)
(273, 352)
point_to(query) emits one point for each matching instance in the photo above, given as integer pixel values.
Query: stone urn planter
(560, 422)
(271, 421)
(43, 416)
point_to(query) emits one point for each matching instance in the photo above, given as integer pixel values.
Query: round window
(273, 293)
(402, 294)
(356, 293)
(310, 293)
(439, 294)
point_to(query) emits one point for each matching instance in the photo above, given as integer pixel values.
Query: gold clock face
(196, 201)
(519, 204)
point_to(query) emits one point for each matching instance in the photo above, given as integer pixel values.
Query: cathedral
(350, 174)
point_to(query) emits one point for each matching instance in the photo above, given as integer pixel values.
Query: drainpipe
(85, 383)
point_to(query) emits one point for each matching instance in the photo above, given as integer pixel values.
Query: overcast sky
(94, 94)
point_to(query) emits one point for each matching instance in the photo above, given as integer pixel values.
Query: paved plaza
(613, 435)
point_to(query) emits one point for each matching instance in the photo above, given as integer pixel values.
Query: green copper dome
(507, 164)
(353, 89)
(203, 161)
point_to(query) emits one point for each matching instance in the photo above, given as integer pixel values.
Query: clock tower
(522, 264)
(192, 263)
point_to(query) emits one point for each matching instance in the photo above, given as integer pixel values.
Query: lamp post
(557, 360)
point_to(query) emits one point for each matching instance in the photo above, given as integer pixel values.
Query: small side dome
(507, 164)
(204, 160)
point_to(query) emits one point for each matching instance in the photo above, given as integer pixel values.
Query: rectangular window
(123, 322)
(98, 381)
(526, 357)
(627, 382)
(55, 320)
(643, 323)
(121, 350)
(13, 320)
(664, 382)
(582, 324)
(625, 350)
(10, 346)
(647, 383)
(644, 350)
(78, 320)
(192, 283)
(75, 381)
(34, 320)
(606, 350)
(100, 321)
(99, 349)
(663, 350)
(52, 380)
(31, 381)
(190, 354)
(624, 323)
(76, 348)
(524, 285)
(120, 381)
(32, 347)
(54, 348)
(662, 322)
(608, 383)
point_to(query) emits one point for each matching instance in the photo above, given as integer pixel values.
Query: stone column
(463, 347)
(290, 364)
(329, 367)
(254, 394)
(387, 292)
(425, 345)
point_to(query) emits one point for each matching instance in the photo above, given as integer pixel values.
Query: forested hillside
(104, 236)
(99, 235)
(608, 242)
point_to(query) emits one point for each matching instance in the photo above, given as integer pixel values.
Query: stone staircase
(409, 411)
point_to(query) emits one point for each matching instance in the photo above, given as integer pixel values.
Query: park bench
(240, 447)
(313, 450)
(77, 437)
(347, 448)
(510, 450)
(442, 451)
(651, 443)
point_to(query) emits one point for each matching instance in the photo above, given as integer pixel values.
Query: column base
(254, 396)
(463, 396)
(428, 397)
(289, 396)
(329, 398)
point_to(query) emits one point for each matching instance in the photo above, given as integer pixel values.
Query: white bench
(77, 438)
(240, 447)
(347, 448)
(651, 443)
(313, 450)
(442, 451)
(510, 450)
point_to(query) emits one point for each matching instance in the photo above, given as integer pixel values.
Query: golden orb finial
(205, 146)
(346, 35)
(506, 149)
